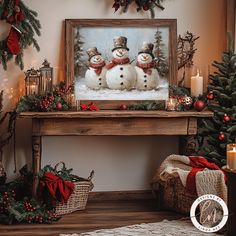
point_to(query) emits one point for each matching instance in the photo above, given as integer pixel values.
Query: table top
(115, 114)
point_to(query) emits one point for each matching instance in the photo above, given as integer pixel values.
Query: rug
(164, 228)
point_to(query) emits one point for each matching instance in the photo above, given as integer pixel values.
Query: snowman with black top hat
(121, 74)
(96, 74)
(147, 74)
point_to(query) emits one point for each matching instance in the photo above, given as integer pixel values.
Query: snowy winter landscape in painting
(102, 38)
(84, 93)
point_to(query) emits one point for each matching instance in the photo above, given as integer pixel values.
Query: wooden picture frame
(231, 16)
(71, 25)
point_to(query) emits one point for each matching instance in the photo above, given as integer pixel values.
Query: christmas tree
(221, 129)
(160, 59)
(79, 53)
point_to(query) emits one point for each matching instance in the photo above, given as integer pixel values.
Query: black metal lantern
(46, 78)
(32, 82)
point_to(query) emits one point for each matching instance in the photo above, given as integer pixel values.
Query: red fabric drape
(198, 164)
(58, 188)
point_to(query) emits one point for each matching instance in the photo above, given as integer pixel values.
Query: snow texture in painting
(102, 38)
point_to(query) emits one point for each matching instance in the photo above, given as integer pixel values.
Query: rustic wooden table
(107, 122)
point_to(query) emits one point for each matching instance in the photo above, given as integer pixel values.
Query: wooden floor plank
(98, 215)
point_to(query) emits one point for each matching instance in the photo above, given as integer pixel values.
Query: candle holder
(46, 78)
(32, 82)
(172, 104)
(231, 156)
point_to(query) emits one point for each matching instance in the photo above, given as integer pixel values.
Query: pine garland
(55, 101)
(26, 26)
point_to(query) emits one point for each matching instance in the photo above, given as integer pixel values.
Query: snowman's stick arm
(132, 60)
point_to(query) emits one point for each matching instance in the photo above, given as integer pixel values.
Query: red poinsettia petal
(83, 107)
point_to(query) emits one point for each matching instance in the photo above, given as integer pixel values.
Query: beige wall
(121, 163)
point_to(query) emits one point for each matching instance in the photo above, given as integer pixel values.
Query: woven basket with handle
(79, 197)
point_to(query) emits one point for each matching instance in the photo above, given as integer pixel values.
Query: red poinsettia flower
(83, 107)
(92, 107)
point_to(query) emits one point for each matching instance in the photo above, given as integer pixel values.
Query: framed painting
(121, 59)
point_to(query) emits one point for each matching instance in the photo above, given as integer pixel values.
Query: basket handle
(91, 175)
(63, 166)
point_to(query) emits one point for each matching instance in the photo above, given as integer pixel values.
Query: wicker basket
(173, 196)
(78, 198)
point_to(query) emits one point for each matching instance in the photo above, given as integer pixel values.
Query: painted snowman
(95, 76)
(120, 73)
(147, 75)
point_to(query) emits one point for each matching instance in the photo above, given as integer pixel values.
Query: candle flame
(198, 72)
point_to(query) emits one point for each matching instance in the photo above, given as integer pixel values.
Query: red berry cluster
(6, 200)
(29, 207)
(45, 103)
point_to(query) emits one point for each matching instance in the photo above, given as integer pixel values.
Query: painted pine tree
(160, 59)
(79, 53)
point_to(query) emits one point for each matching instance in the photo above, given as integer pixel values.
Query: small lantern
(46, 78)
(32, 82)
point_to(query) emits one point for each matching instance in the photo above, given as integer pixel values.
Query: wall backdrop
(120, 163)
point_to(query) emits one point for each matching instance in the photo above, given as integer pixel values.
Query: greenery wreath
(24, 26)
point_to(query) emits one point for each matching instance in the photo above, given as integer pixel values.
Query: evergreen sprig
(29, 27)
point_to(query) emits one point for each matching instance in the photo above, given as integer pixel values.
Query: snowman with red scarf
(96, 74)
(121, 74)
(147, 75)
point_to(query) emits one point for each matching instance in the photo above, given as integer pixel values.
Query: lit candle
(231, 156)
(171, 104)
(196, 85)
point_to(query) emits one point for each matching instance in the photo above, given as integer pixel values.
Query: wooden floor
(98, 215)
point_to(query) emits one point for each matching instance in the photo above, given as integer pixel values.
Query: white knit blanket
(207, 181)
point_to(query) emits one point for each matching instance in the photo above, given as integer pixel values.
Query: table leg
(36, 148)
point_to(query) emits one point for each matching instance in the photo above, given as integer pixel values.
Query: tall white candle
(231, 158)
(196, 85)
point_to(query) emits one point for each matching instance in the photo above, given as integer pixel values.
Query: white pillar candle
(196, 85)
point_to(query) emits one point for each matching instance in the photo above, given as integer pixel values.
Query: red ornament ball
(226, 118)
(59, 106)
(199, 105)
(221, 136)
(210, 95)
(123, 107)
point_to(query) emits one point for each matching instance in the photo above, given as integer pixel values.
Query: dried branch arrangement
(185, 51)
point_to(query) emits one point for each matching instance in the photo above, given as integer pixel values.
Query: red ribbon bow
(58, 188)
